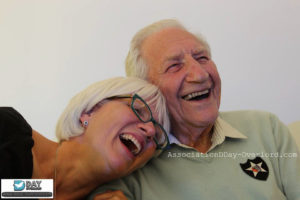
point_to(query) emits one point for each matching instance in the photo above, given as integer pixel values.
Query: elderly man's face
(182, 68)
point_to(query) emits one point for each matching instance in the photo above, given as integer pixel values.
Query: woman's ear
(84, 119)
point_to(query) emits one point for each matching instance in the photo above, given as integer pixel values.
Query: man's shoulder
(242, 115)
(245, 120)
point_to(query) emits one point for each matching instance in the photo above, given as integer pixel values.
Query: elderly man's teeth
(195, 94)
(131, 143)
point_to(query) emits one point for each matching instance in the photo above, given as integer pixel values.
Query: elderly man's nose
(147, 128)
(196, 71)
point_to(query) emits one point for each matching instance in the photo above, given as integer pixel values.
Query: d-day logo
(26, 188)
(19, 185)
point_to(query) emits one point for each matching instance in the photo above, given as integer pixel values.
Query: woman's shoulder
(15, 145)
(12, 122)
(8, 114)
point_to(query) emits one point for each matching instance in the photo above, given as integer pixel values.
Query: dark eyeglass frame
(133, 98)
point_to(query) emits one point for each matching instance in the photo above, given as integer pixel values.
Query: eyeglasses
(141, 109)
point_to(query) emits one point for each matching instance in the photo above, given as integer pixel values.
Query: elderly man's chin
(201, 116)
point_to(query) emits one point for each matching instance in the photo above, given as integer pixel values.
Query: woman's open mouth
(132, 143)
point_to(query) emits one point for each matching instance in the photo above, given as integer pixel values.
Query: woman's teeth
(195, 94)
(131, 143)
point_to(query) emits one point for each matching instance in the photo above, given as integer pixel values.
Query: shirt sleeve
(288, 161)
(15, 145)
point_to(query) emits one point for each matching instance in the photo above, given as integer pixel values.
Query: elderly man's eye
(173, 67)
(202, 59)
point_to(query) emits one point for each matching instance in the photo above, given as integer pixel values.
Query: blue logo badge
(19, 185)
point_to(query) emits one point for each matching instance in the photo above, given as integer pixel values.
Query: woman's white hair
(136, 66)
(69, 124)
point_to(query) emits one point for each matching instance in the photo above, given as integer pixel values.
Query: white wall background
(49, 50)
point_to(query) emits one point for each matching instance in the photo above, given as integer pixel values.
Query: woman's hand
(111, 195)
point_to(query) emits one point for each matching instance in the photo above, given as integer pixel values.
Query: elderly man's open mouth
(196, 96)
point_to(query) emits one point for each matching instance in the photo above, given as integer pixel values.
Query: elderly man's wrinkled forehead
(167, 35)
(170, 44)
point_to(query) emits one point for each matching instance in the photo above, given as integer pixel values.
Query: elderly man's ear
(84, 119)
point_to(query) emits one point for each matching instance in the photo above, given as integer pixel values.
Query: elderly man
(231, 155)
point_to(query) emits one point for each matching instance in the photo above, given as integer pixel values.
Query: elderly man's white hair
(69, 124)
(136, 66)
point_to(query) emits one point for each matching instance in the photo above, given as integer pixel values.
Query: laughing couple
(114, 127)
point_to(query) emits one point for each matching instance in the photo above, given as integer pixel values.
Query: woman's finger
(111, 195)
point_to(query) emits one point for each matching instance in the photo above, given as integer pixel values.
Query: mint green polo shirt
(183, 173)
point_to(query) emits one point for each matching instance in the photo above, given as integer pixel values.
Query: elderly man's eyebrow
(199, 51)
(180, 56)
(176, 57)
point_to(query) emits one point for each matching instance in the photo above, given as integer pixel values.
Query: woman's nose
(147, 128)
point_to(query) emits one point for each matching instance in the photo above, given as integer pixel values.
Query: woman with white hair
(105, 132)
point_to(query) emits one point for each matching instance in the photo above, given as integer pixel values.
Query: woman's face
(123, 142)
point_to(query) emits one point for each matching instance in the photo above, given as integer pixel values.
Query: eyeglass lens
(142, 110)
(144, 114)
(160, 135)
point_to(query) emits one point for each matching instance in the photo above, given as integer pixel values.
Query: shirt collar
(222, 129)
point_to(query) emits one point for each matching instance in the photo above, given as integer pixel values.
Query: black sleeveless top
(15, 145)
